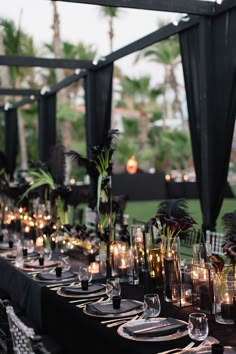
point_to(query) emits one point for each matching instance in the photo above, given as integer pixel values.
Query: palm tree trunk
(4, 73)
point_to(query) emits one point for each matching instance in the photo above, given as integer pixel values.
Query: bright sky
(81, 22)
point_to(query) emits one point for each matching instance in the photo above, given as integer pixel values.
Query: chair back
(23, 337)
(215, 240)
(5, 335)
(187, 241)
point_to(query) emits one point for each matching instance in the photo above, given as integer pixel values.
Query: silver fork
(178, 350)
(122, 320)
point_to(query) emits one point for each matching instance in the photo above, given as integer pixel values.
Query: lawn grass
(144, 210)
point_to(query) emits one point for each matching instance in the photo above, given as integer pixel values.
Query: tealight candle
(94, 267)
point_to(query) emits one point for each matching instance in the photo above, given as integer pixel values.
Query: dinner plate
(82, 296)
(34, 265)
(117, 315)
(55, 280)
(5, 246)
(176, 335)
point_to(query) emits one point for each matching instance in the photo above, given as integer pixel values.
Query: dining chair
(24, 339)
(187, 241)
(215, 240)
(5, 335)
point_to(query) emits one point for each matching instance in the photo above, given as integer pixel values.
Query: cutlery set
(118, 322)
(208, 341)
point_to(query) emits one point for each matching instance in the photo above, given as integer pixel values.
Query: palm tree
(166, 53)
(111, 13)
(16, 42)
(137, 93)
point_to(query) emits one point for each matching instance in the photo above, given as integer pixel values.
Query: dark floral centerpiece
(99, 168)
(172, 221)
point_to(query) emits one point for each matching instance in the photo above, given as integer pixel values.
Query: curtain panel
(11, 140)
(208, 53)
(47, 125)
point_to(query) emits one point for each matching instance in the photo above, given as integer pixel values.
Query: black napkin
(52, 276)
(167, 326)
(75, 290)
(105, 308)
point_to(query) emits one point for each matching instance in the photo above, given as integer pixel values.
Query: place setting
(85, 288)
(152, 328)
(114, 306)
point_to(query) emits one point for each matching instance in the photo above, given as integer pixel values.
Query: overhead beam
(23, 61)
(152, 38)
(66, 82)
(18, 92)
(21, 103)
(193, 7)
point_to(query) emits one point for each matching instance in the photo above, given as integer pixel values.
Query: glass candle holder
(224, 299)
(203, 292)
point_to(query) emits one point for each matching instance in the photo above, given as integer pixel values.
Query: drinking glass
(113, 287)
(84, 273)
(151, 306)
(198, 326)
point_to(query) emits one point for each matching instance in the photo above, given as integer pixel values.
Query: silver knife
(159, 325)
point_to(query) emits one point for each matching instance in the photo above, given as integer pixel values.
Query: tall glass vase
(105, 220)
(171, 267)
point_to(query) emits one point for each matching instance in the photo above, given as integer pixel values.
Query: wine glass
(151, 306)
(84, 273)
(113, 287)
(198, 328)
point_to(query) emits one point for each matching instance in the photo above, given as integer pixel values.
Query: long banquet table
(80, 333)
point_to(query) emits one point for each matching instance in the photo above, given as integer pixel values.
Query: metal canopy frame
(192, 7)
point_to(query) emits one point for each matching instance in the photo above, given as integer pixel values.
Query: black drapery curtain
(209, 63)
(98, 97)
(47, 125)
(11, 140)
(98, 94)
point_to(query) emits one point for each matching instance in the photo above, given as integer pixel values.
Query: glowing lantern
(132, 165)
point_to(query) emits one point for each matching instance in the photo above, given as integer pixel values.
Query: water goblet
(113, 287)
(85, 276)
(198, 326)
(151, 306)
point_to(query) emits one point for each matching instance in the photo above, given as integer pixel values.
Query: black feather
(176, 208)
(57, 163)
(82, 161)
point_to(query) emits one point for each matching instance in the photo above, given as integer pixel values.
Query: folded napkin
(35, 264)
(162, 328)
(105, 308)
(75, 290)
(52, 276)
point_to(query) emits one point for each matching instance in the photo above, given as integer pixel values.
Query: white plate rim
(66, 280)
(83, 296)
(173, 336)
(113, 315)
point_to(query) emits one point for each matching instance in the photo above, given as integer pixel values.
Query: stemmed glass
(84, 274)
(151, 306)
(113, 287)
(198, 326)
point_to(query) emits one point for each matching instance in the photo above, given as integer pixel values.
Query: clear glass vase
(171, 267)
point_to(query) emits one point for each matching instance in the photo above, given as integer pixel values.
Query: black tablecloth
(75, 330)
(71, 326)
